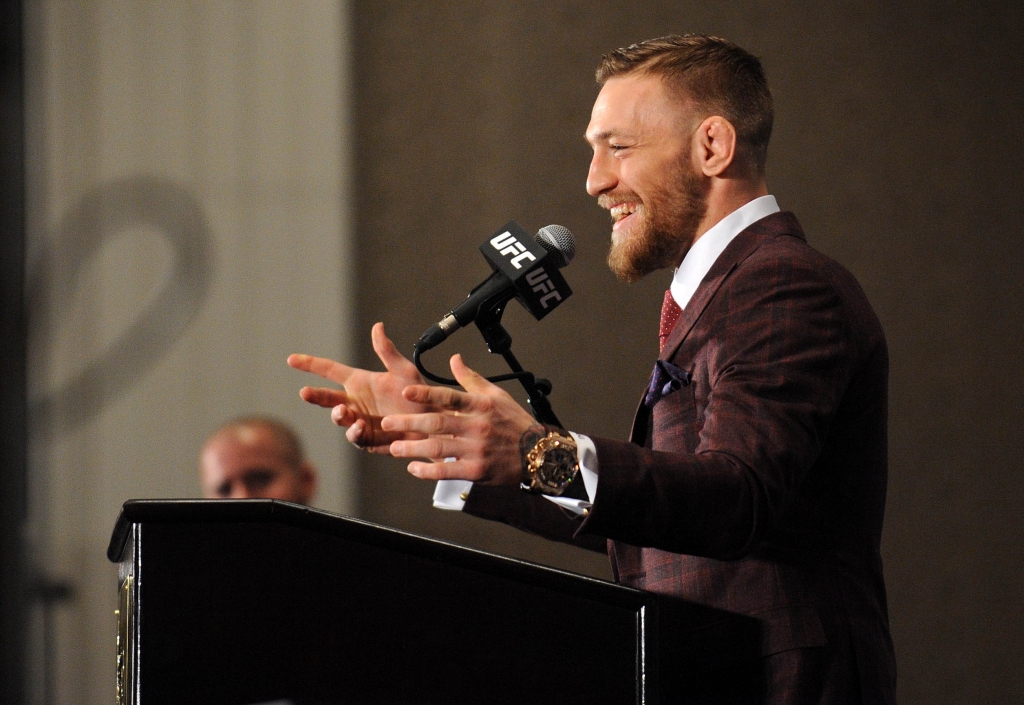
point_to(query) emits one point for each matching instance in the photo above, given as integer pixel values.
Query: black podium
(260, 601)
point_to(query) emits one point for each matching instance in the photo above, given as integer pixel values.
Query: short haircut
(720, 77)
(284, 435)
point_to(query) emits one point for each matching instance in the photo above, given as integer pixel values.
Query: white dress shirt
(451, 494)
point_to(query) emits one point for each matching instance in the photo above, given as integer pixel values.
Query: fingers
(440, 397)
(356, 432)
(328, 369)
(427, 424)
(333, 399)
(432, 447)
(342, 415)
(362, 434)
(478, 397)
(393, 360)
(457, 470)
(322, 396)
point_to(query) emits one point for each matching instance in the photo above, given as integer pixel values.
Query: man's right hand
(367, 396)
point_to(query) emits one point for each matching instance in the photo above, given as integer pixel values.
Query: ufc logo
(541, 283)
(507, 245)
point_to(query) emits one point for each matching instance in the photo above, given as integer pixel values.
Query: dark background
(13, 378)
(896, 143)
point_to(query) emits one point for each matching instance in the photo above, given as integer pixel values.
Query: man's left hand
(481, 428)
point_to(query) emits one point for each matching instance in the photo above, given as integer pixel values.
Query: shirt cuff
(586, 453)
(452, 494)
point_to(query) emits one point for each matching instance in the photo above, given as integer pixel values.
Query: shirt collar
(709, 246)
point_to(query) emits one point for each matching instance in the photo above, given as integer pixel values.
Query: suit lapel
(741, 247)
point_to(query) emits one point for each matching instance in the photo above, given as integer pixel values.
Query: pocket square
(665, 379)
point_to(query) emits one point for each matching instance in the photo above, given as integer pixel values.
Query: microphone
(524, 268)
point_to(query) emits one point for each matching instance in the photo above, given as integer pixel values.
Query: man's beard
(661, 239)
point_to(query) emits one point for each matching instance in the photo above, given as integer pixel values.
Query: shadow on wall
(160, 205)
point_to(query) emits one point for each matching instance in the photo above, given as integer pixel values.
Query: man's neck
(726, 196)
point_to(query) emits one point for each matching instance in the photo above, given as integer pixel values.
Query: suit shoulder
(793, 252)
(787, 256)
(780, 238)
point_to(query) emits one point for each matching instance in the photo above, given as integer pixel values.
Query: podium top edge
(213, 511)
(135, 511)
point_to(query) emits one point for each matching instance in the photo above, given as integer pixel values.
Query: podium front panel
(238, 603)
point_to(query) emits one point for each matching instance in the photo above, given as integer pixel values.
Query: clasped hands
(398, 413)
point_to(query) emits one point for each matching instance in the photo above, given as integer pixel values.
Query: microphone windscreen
(557, 239)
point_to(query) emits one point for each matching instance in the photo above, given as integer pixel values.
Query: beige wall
(188, 215)
(897, 144)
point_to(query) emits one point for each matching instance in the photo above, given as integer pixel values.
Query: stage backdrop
(188, 229)
(897, 144)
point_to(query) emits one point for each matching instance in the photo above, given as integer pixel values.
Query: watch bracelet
(558, 442)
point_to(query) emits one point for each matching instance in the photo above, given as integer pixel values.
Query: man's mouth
(621, 212)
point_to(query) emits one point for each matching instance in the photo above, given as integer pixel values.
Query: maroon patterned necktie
(670, 313)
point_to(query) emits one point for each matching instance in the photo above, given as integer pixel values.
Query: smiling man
(755, 476)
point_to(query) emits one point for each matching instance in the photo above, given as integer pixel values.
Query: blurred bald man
(255, 457)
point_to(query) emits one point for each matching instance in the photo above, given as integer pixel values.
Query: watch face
(558, 467)
(552, 464)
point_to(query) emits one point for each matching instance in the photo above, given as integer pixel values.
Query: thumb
(393, 360)
(470, 380)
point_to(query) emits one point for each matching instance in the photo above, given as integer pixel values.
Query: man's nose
(239, 491)
(601, 177)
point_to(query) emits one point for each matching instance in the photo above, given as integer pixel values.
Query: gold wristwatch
(552, 463)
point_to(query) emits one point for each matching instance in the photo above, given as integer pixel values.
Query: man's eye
(256, 480)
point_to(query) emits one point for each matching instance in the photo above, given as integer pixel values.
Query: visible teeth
(621, 210)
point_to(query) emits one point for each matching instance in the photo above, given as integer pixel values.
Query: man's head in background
(256, 457)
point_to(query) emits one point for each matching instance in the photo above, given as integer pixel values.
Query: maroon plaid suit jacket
(759, 487)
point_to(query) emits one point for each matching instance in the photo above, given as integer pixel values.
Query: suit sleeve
(531, 513)
(772, 359)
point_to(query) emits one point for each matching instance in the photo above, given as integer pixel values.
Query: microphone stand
(499, 342)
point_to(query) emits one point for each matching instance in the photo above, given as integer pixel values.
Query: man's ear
(715, 145)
